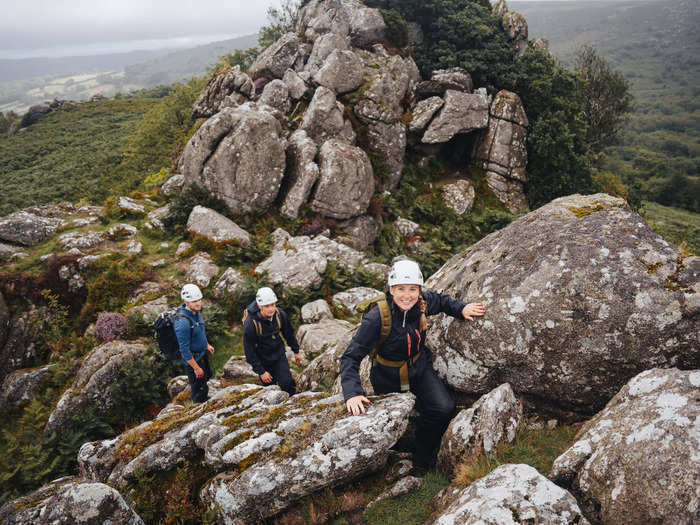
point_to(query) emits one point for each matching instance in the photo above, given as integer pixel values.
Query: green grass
(69, 154)
(673, 224)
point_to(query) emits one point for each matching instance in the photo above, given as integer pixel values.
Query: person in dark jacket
(192, 338)
(403, 362)
(264, 348)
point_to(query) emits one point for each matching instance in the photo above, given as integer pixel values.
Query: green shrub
(396, 27)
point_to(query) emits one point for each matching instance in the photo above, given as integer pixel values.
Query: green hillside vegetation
(656, 46)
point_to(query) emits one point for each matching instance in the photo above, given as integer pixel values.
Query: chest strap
(402, 366)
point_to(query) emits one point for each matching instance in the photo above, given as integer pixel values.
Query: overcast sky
(83, 27)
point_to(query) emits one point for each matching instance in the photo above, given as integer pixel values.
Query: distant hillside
(656, 45)
(115, 74)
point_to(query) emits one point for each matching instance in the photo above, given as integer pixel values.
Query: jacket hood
(253, 308)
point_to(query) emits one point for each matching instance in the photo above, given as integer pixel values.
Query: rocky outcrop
(70, 500)
(350, 19)
(238, 156)
(501, 150)
(441, 80)
(276, 59)
(346, 181)
(459, 196)
(201, 269)
(302, 173)
(349, 299)
(82, 240)
(214, 226)
(494, 418)
(154, 221)
(461, 113)
(322, 48)
(236, 369)
(315, 311)
(276, 95)
(19, 386)
(638, 461)
(515, 494)
(516, 28)
(341, 71)
(147, 312)
(581, 295)
(222, 85)
(295, 84)
(20, 349)
(323, 343)
(359, 232)
(173, 185)
(231, 283)
(27, 228)
(90, 388)
(423, 113)
(324, 119)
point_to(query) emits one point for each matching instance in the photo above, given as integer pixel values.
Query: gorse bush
(110, 326)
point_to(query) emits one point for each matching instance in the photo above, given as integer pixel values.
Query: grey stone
(349, 18)
(459, 196)
(173, 185)
(295, 84)
(238, 155)
(443, 79)
(70, 500)
(134, 247)
(302, 173)
(19, 386)
(182, 248)
(351, 298)
(493, 419)
(276, 59)
(462, 113)
(28, 229)
(231, 283)
(346, 182)
(90, 388)
(341, 72)
(323, 343)
(637, 460)
(315, 311)
(201, 269)
(424, 112)
(121, 231)
(388, 143)
(276, 94)
(322, 49)
(401, 487)
(569, 289)
(515, 494)
(214, 226)
(237, 368)
(324, 118)
(154, 218)
(360, 232)
(129, 205)
(516, 28)
(405, 227)
(147, 312)
(22, 330)
(227, 83)
(509, 191)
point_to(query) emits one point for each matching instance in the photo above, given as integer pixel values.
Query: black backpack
(164, 333)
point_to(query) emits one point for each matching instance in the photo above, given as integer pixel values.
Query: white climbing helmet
(191, 292)
(405, 272)
(265, 296)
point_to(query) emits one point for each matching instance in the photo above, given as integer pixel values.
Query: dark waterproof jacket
(269, 346)
(404, 341)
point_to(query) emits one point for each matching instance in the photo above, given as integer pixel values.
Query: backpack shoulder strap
(183, 316)
(279, 321)
(258, 327)
(384, 317)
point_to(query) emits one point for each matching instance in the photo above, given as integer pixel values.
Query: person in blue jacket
(192, 338)
(403, 362)
(264, 348)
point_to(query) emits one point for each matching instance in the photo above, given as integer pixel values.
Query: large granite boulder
(351, 19)
(70, 501)
(276, 95)
(388, 143)
(351, 298)
(22, 332)
(322, 48)
(501, 150)
(459, 196)
(201, 269)
(441, 80)
(359, 232)
(214, 226)
(82, 240)
(423, 113)
(325, 342)
(341, 71)
(516, 27)
(238, 155)
(324, 119)
(28, 229)
(295, 84)
(461, 113)
(231, 283)
(493, 419)
(516, 495)
(638, 460)
(99, 370)
(346, 181)
(222, 85)
(237, 368)
(19, 386)
(580, 296)
(315, 311)
(300, 262)
(276, 59)
(302, 173)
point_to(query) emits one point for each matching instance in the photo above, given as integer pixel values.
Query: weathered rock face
(516, 27)
(70, 500)
(346, 182)
(324, 118)
(212, 225)
(18, 387)
(201, 269)
(424, 112)
(346, 449)
(462, 113)
(4, 321)
(441, 80)
(638, 461)
(238, 155)
(388, 143)
(173, 185)
(20, 349)
(351, 298)
(360, 232)
(237, 368)
(315, 311)
(515, 494)
(231, 282)
(27, 228)
(154, 218)
(276, 95)
(82, 240)
(501, 151)
(294, 83)
(91, 385)
(341, 72)
(302, 173)
(277, 58)
(580, 295)
(459, 196)
(323, 342)
(495, 417)
(300, 262)
(322, 49)
(348, 18)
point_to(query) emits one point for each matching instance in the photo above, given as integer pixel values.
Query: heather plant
(110, 326)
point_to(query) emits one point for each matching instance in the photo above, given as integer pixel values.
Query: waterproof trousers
(281, 374)
(434, 403)
(199, 389)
